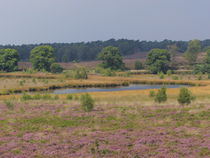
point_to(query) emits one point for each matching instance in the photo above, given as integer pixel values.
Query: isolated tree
(42, 57)
(158, 60)
(111, 58)
(138, 65)
(161, 95)
(8, 60)
(87, 102)
(185, 97)
(193, 49)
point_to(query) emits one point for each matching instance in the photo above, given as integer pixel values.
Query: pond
(111, 89)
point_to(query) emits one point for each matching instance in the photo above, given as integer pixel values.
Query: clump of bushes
(56, 68)
(185, 97)
(161, 95)
(26, 97)
(105, 72)
(87, 102)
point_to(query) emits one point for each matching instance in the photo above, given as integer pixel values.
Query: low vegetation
(87, 103)
(137, 123)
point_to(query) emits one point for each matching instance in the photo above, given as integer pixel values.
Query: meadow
(122, 124)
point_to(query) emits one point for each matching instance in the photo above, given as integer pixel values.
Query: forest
(87, 51)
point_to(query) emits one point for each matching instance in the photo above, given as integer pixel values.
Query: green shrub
(161, 95)
(34, 80)
(56, 97)
(81, 74)
(56, 68)
(37, 97)
(30, 71)
(208, 76)
(169, 72)
(152, 94)
(200, 77)
(21, 83)
(69, 97)
(87, 102)
(105, 72)
(185, 96)
(161, 75)
(138, 65)
(9, 104)
(175, 77)
(47, 97)
(26, 97)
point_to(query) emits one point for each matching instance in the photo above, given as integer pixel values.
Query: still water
(110, 89)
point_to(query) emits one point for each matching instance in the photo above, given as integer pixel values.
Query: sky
(49, 21)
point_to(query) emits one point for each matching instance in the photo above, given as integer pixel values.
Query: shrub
(87, 102)
(47, 97)
(56, 68)
(81, 74)
(200, 77)
(138, 65)
(185, 96)
(161, 95)
(69, 97)
(21, 83)
(152, 94)
(175, 77)
(37, 97)
(161, 75)
(9, 104)
(56, 97)
(26, 97)
(169, 72)
(105, 72)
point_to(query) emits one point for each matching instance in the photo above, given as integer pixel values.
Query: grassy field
(125, 124)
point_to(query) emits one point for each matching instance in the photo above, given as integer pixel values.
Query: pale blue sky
(43, 21)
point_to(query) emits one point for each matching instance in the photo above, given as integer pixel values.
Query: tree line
(158, 60)
(86, 51)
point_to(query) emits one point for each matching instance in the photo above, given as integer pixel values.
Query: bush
(161, 75)
(169, 72)
(138, 65)
(9, 104)
(26, 97)
(56, 68)
(69, 97)
(152, 94)
(81, 74)
(175, 77)
(87, 102)
(161, 95)
(105, 72)
(185, 96)
(200, 77)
